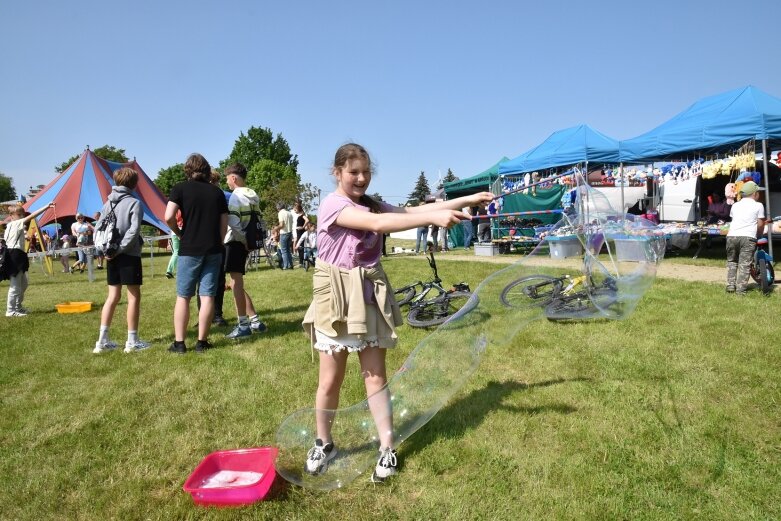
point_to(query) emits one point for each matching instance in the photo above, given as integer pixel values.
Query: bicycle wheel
(437, 310)
(574, 306)
(532, 290)
(404, 295)
(766, 275)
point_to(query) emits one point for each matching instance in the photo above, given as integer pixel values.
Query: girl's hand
(447, 218)
(480, 199)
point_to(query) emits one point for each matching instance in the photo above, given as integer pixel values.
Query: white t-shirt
(745, 214)
(285, 218)
(14, 234)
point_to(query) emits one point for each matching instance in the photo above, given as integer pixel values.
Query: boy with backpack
(242, 237)
(119, 238)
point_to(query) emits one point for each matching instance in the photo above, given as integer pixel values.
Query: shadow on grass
(470, 411)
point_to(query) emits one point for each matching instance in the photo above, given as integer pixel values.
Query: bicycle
(558, 295)
(761, 268)
(432, 311)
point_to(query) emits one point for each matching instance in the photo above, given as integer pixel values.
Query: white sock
(243, 321)
(254, 319)
(132, 336)
(103, 334)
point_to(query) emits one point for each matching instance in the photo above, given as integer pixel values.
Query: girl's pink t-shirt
(346, 247)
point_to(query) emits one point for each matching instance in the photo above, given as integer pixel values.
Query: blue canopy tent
(579, 144)
(712, 125)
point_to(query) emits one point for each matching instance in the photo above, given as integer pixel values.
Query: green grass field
(671, 414)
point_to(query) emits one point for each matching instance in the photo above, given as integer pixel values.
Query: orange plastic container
(73, 307)
(233, 477)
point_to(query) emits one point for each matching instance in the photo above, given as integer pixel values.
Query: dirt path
(666, 270)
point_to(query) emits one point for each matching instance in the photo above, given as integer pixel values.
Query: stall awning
(566, 147)
(714, 124)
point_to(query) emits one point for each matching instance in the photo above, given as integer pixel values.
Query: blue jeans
(422, 234)
(285, 240)
(201, 269)
(467, 225)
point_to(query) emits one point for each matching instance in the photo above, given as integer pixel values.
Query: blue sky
(423, 85)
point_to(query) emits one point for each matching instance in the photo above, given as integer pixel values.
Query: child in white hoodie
(242, 202)
(308, 240)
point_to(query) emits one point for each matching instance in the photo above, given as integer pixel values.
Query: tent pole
(621, 177)
(768, 215)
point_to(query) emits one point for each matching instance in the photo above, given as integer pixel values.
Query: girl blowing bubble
(353, 308)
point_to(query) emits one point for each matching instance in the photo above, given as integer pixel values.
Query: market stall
(713, 126)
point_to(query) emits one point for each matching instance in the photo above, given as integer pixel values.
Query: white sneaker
(138, 345)
(15, 314)
(387, 465)
(318, 457)
(22, 310)
(102, 347)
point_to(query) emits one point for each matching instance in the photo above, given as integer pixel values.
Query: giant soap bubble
(606, 281)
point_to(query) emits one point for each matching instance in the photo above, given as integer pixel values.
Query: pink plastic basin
(233, 477)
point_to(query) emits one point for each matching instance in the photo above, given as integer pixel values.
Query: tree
(449, 177)
(421, 189)
(106, 152)
(7, 191)
(260, 144)
(266, 172)
(285, 191)
(376, 196)
(168, 177)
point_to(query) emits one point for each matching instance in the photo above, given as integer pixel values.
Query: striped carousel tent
(84, 186)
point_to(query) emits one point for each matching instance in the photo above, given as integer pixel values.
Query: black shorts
(124, 270)
(235, 257)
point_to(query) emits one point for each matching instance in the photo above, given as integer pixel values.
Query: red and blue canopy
(84, 186)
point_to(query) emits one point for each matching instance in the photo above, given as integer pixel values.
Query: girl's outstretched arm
(390, 222)
(478, 199)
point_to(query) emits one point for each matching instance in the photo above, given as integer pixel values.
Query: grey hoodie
(129, 214)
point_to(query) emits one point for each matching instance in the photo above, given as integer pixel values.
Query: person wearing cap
(18, 263)
(81, 231)
(748, 221)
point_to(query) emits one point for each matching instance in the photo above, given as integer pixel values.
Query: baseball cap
(750, 188)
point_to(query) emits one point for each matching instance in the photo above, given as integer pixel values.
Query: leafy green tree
(7, 191)
(260, 144)
(421, 189)
(266, 172)
(285, 191)
(168, 177)
(106, 152)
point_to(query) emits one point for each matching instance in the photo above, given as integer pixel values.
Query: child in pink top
(350, 226)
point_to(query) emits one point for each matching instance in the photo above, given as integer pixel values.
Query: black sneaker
(318, 457)
(169, 275)
(387, 465)
(177, 347)
(202, 345)
(219, 321)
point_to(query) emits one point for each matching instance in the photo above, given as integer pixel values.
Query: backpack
(107, 237)
(4, 262)
(254, 232)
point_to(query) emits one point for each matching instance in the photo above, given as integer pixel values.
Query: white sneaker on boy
(102, 347)
(138, 345)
